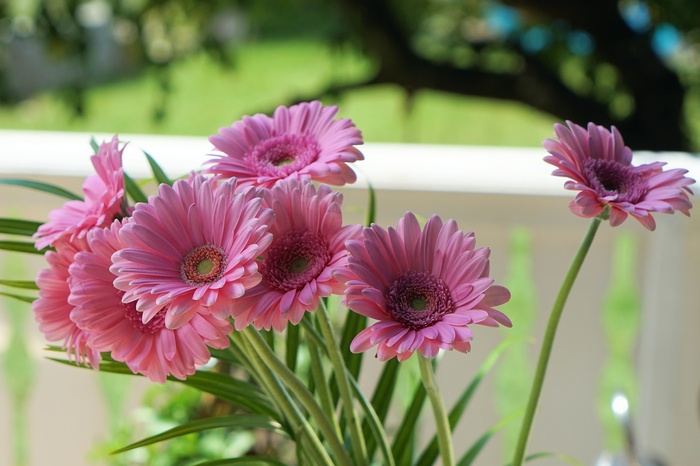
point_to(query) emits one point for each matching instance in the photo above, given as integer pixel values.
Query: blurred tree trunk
(656, 122)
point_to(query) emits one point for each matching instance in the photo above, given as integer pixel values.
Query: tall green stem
(297, 387)
(442, 422)
(341, 375)
(548, 341)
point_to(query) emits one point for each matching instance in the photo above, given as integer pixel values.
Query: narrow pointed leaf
(239, 421)
(22, 284)
(94, 145)
(245, 461)
(374, 426)
(158, 172)
(25, 299)
(481, 442)
(432, 451)
(20, 246)
(381, 399)
(404, 437)
(559, 456)
(133, 190)
(39, 186)
(13, 226)
(371, 205)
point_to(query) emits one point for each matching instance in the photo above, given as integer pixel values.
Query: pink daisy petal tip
(600, 167)
(423, 286)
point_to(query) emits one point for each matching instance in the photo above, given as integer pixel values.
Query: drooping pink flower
(52, 310)
(298, 268)
(192, 247)
(104, 200)
(302, 139)
(600, 167)
(112, 326)
(423, 287)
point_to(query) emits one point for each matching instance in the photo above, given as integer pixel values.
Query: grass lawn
(204, 96)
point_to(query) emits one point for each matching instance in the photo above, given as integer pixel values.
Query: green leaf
(375, 430)
(39, 186)
(25, 299)
(22, 284)
(559, 456)
(238, 421)
(20, 246)
(404, 437)
(481, 442)
(94, 144)
(133, 190)
(431, 452)
(158, 172)
(247, 461)
(292, 348)
(381, 399)
(371, 205)
(13, 226)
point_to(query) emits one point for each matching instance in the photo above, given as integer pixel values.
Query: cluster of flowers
(250, 239)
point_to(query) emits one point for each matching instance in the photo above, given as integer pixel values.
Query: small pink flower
(52, 310)
(190, 249)
(104, 200)
(298, 268)
(600, 167)
(302, 139)
(424, 288)
(112, 326)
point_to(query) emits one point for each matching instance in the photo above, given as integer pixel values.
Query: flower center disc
(203, 265)
(611, 178)
(294, 259)
(285, 154)
(156, 324)
(418, 300)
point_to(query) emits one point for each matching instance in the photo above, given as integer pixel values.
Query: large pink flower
(600, 167)
(298, 268)
(150, 349)
(302, 139)
(192, 247)
(424, 288)
(104, 200)
(52, 310)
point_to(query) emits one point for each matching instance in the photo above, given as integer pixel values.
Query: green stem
(442, 422)
(322, 388)
(548, 341)
(297, 387)
(341, 375)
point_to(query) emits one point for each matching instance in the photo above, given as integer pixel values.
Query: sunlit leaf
(133, 190)
(158, 172)
(246, 461)
(39, 186)
(25, 299)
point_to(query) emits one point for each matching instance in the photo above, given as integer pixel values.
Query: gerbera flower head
(52, 310)
(299, 267)
(104, 200)
(112, 326)
(191, 248)
(600, 167)
(423, 287)
(304, 139)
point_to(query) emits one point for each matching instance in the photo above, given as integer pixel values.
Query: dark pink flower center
(156, 324)
(203, 265)
(417, 300)
(295, 259)
(611, 178)
(281, 155)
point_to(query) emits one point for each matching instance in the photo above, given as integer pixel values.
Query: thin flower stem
(282, 399)
(341, 375)
(297, 387)
(548, 341)
(442, 422)
(322, 388)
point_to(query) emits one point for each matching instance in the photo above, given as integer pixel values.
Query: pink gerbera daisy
(424, 288)
(299, 266)
(52, 310)
(302, 139)
(600, 166)
(192, 247)
(149, 348)
(104, 200)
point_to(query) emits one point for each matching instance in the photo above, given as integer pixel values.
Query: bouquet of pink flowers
(249, 248)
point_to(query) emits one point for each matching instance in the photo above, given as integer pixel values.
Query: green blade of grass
(12, 226)
(158, 172)
(39, 186)
(133, 190)
(21, 284)
(21, 246)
